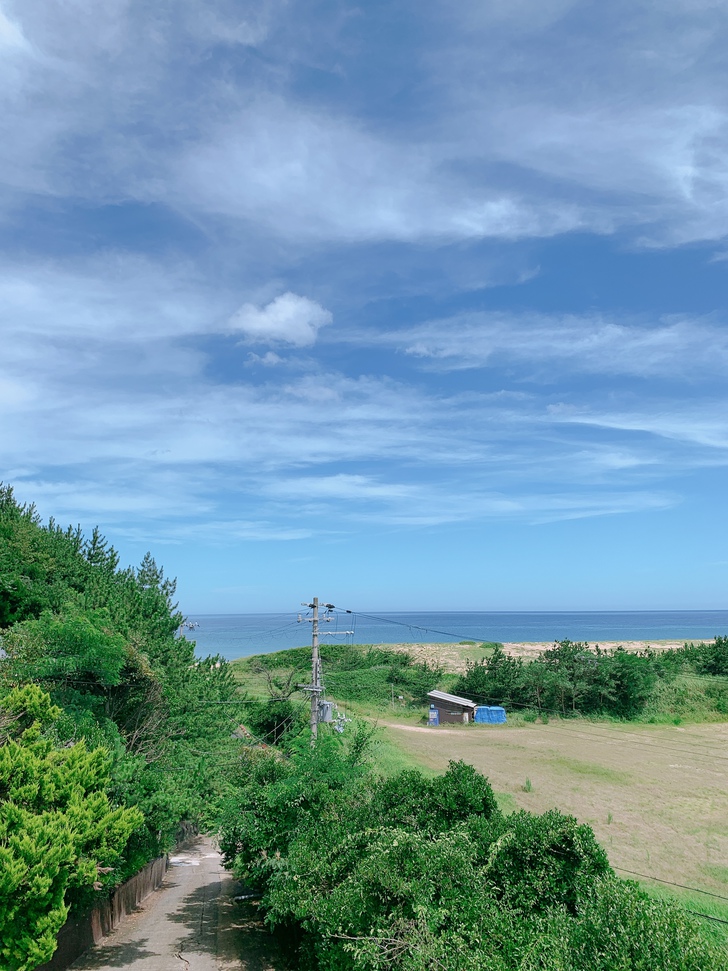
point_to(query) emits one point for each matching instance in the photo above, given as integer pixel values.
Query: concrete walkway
(192, 923)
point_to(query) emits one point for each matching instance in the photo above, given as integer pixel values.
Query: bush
(544, 861)
(58, 828)
(710, 659)
(620, 926)
(276, 720)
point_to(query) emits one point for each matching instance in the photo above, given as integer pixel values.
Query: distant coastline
(240, 635)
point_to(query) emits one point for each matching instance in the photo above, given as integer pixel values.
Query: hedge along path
(654, 795)
(192, 923)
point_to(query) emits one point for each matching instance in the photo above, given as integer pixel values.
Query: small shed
(451, 708)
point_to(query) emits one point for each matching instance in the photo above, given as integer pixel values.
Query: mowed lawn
(656, 796)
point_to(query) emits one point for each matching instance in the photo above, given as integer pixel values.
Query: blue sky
(405, 305)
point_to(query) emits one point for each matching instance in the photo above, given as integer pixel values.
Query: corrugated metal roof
(452, 699)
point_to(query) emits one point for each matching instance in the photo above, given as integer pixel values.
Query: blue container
(490, 715)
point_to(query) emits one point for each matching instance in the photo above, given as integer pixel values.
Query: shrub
(544, 861)
(57, 829)
(620, 926)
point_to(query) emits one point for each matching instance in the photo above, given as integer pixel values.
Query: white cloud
(14, 393)
(307, 174)
(704, 424)
(290, 319)
(113, 297)
(340, 486)
(549, 345)
(269, 359)
(108, 410)
(215, 532)
(531, 119)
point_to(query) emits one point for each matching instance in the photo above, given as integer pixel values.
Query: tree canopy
(132, 732)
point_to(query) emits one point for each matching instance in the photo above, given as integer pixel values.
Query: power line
(399, 623)
(251, 701)
(257, 635)
(696, 913)
(605, 728)
(557, 711)
(646, 742)
(669, 883)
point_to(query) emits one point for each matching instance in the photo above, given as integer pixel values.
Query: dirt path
(192, 923)
(656, 795)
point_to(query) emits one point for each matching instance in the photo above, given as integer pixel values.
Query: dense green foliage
(705, 659)
(411, 873)
(58, 828)
(357, 673)
(572, 678)
(101, 643)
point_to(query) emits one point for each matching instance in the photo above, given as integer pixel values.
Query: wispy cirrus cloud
(309, 174)
(704, 424)
(113, 365)
(530, 123)
(340, 486)
(677, 347)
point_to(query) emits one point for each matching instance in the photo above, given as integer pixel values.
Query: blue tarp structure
(490, 714)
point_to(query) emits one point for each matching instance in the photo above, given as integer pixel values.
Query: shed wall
(454, 714)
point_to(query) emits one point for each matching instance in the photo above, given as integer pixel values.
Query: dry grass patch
(656, 796)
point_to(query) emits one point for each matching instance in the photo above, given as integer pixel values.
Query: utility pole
(315, 687)
(315, 671)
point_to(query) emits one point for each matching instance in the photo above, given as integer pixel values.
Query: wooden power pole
(315, 671)
(316, 687)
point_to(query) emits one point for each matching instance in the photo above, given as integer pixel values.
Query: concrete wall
(77, 935)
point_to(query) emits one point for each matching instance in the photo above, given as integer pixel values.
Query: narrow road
(192, 923)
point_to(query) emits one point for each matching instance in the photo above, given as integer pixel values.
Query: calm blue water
(237, 635)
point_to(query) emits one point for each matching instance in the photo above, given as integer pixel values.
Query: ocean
(239, 635)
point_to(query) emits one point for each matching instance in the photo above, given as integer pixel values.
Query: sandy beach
(454, 657)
